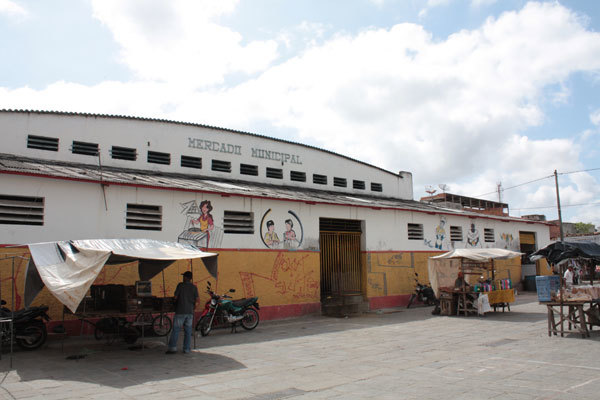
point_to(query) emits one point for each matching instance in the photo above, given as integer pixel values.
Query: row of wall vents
(26, 210)
(156, 157)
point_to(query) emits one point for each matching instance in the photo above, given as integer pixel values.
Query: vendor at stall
(569, 277)
(460, 281)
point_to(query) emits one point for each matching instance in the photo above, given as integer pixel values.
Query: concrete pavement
(391, 354)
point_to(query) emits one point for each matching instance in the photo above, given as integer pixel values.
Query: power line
(554, 206)
(539, 179)
(520, 184)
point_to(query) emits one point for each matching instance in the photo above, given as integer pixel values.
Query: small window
(358, 184)
(191, 162)
(488, 235)
(376, 187)
(123, 153)
(320, 179)
(144, 217)
(246, 169)
(456, 234)
(84, 148)
(238, 222)
(275, 173)
(155, 157)
(340, 182)
(298, 176)
(415, 231)
(21, 210)
(221, 166)
(42, 143)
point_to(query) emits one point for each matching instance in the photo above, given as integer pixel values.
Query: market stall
(465, 281)
(68, 270)
(570, 308)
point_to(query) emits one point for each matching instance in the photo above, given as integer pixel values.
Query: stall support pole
(163, 305)
(194, 313)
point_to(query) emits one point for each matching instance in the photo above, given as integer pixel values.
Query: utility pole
(499, 192)
(562, 236)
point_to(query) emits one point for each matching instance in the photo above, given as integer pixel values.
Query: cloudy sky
(467, 93)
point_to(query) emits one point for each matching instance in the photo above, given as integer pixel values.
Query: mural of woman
(205, 221)
(289, 236)
(271, 238)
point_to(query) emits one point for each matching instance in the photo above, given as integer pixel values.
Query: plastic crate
(546, 286)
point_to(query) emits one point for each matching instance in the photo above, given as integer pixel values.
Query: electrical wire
(554, 206)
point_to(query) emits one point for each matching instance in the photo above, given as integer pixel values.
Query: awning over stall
(444, 268)
(68, 268)
(559, 251)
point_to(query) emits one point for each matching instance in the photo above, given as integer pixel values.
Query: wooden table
(574, 317)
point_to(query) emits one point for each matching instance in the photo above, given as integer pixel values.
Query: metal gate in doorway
(340, 258)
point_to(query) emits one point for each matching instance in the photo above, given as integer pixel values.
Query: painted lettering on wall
(275, 155)
(228, 148)
(212, 145)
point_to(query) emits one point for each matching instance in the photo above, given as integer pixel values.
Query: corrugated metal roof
(196, 125)
(10, 164)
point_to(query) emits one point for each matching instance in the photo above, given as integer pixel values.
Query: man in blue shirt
(186, 297)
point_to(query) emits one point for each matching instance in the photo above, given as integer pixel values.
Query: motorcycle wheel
(162, 325)
(250, 320)
(410, 301)
(204, 325)
(36, 336)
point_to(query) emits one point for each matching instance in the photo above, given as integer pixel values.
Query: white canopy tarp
(482, 255)
(443, 269)
(68, 268)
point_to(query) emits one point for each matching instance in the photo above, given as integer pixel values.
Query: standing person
(186, 297)
(569, 277)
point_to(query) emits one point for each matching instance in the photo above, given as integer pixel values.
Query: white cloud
(595, 117)
(12, 9)
(179, 42)
(482, 3)
(450, 111)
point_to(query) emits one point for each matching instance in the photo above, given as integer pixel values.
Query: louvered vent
(155, 157)
(340, 182)
(376, 187)
(123, 153)
(298, 176)
(339, 225)
(275, 173)
(488, 235)
(221, 166)
(42, 143)
(21, 210)
(238, 222)
(144, 217)
(456, 234)
(84, 148)
(358, 184)
(247, 169)
(320, 179)
(191, 162)
(415, 231)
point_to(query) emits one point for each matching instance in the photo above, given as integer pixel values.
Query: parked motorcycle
(423, 294)
(29, 329)
(221, 312)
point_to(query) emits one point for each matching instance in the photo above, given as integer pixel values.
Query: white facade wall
(76, 210)
(179, 139)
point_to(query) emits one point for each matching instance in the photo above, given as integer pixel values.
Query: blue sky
(467, 93)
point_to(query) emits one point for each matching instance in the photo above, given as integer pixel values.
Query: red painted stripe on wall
(376, 303)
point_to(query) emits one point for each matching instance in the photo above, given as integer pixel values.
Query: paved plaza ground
(390, 354)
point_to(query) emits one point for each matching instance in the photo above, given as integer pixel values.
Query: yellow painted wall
(393, 273)
(277, 278)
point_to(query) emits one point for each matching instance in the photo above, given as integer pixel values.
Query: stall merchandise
(443, 272)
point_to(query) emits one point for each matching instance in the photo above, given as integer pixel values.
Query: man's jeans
(185, 321)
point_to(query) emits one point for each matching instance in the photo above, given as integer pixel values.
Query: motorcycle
(423, 294)
(28, 327)
(221, 312)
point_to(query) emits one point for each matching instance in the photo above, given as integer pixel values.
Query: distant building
(456, 202)
(534, 217)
